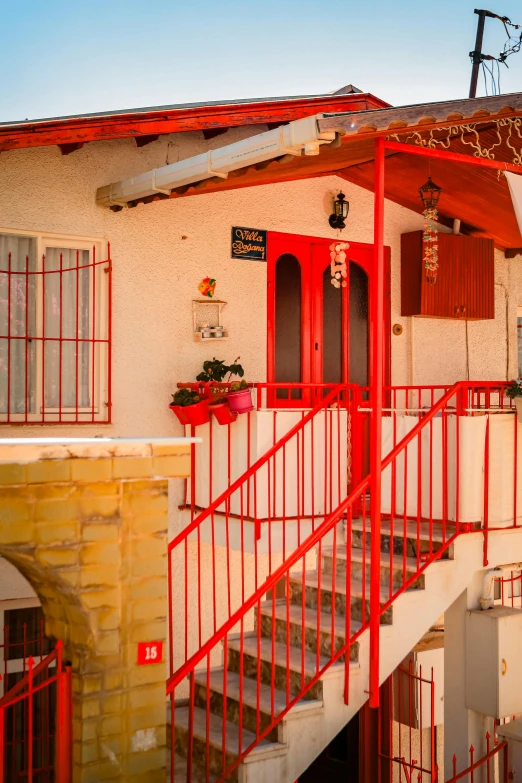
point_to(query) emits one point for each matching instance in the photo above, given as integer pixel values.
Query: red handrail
(324, 403)
(462, 398)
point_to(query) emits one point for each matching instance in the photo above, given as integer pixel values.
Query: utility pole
(476, 54)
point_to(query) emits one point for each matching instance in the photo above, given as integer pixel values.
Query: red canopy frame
(377, 341)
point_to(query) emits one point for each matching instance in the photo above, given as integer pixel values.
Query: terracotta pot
(223, 413)
(179, 412)
(240, 401)
(518, 406)
(197, 414)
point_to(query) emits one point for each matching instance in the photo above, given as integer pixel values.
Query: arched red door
(317, 333)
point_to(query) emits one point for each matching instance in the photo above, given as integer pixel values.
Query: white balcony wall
(300, 482)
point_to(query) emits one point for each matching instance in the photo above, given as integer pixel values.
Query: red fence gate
(36, 721)
(408, 746)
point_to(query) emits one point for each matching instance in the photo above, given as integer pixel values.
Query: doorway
(317, 333)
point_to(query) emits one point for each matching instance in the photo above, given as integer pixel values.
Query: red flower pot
(240, 401)
(197, 414)
(179, 412)
(223, 414)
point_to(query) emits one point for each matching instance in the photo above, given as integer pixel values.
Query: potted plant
(217, 372)
(240, 397)
(514, 392)
(190, 408)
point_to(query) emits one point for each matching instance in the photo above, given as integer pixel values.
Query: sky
(62, 57)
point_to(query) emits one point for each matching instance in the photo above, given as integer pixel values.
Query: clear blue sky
(62, 57)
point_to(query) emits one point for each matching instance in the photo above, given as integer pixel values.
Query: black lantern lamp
(340, 213)
(430, 194)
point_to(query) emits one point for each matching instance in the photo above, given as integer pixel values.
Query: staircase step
(278, 672)
(252, 719)
(215, 741)
(180, 771)
(359, 595)
(361, 559)
(417, 536)
(293, 614)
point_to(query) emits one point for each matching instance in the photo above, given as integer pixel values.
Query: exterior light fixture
(430, 194)
(340, 213)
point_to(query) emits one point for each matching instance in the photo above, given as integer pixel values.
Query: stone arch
(61, 604)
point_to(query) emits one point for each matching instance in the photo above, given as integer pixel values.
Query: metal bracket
(154, 188)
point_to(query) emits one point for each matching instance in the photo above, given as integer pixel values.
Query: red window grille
(55, 330)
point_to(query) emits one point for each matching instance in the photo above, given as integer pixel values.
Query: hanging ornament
(338, 267)
(430, 194)
(207, 287)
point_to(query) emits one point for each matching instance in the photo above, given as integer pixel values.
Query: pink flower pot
(223, 413)
(240, 401)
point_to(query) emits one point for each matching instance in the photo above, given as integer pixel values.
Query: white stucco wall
(156, 272)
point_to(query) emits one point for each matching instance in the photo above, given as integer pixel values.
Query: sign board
(150, 652)
(249, 243)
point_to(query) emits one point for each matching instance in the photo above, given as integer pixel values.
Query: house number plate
(150, 652)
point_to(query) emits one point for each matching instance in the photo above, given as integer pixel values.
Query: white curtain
(67, 312)
(17, 322)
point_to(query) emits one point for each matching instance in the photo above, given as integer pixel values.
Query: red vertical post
(63, 741)
(377, 380)
(30, 719)
(2, 745)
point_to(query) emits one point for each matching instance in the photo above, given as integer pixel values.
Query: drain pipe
(298, 137)
(487, 596)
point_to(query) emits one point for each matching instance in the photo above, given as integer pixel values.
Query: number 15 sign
(150, 652)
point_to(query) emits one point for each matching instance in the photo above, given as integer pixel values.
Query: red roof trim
(79, 130)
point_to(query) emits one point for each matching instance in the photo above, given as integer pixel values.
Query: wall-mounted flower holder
(207, 320)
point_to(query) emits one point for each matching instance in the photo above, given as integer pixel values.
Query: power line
(478, 59)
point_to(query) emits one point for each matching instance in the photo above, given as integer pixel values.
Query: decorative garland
(338, 267)
(431, 245)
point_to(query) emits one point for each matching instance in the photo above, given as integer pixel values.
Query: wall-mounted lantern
(340, 213)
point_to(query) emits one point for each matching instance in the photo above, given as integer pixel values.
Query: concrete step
(257, 713)
(394, 537)
(359, 595)
(402, 568)
(290, 618)
(222, 743)
(302, 664)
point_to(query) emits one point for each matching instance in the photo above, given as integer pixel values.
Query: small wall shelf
(207, 313)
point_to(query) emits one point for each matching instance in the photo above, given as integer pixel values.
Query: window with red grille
(55, 329)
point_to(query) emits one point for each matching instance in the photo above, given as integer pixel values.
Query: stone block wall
(88, 530)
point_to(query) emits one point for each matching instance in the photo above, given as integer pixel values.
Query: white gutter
(297, 138)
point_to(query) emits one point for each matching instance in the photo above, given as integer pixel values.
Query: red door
(317, 334)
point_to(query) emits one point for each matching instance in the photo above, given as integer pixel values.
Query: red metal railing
(409, 743)
(36, 723)
(425, 504)
(55, 337)
(251, 527)
(485, 764)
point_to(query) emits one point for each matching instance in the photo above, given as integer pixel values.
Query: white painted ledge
(33, 449)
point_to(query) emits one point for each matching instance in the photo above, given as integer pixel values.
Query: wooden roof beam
(66, 149)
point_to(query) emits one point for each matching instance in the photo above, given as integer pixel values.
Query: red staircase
(265, 619)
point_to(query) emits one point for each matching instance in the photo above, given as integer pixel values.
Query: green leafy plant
(238, 386)
(515, 390)
(185, 397)
(217, 370)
